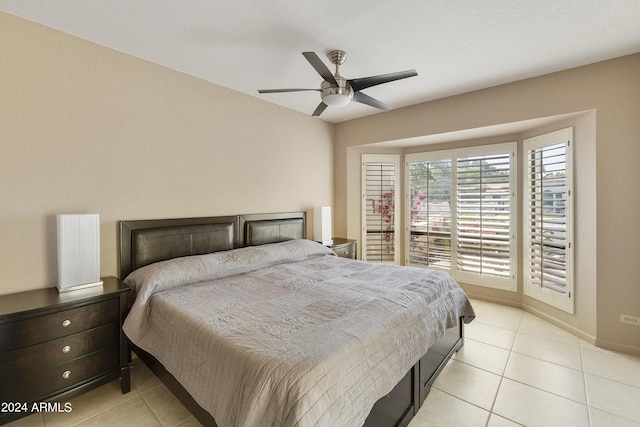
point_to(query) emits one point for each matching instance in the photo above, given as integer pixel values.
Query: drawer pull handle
(66, 323)
(66, 374)
(66, 349)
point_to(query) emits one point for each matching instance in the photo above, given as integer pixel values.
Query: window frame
(502, 283)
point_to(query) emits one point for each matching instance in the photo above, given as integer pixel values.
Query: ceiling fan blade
(365, 82)
(319, 109)
(284, 90)
(366, 99)
(319, 66)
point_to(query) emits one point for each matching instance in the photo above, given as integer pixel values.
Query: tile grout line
(106, 409)
(144, 400)
(504, 371)
(586, 391)
(463, 400)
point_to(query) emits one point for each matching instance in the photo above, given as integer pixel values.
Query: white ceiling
(455, 45)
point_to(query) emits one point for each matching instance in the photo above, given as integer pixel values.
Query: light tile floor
(515, 369)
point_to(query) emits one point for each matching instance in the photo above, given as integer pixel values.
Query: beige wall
(609, 198)
(84, 128)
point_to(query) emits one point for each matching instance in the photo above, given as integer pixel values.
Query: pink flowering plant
(386, 209)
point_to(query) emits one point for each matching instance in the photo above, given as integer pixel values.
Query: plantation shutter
(548, 227)
(379, 207)
(461, 213)
(429, 184)
(483, 215)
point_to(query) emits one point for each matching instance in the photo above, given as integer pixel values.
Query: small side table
(54, 346)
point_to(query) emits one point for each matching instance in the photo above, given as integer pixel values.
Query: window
(379, 213)
(483, 221)
(548, 219)
(462, 214)
(429, 212)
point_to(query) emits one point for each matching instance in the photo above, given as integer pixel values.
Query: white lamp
(322, 225)
(78, 251)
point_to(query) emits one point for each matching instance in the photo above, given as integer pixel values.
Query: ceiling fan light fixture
(336, 96)
(336, 100)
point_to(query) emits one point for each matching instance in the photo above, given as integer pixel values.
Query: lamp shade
(78, 251)
(322, 225)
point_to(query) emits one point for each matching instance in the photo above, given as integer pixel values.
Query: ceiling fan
(336, 91)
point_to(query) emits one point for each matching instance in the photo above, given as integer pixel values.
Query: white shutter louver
(548, 219)
(379, 203)
(462, 213)
(546, 222)
(483, 215)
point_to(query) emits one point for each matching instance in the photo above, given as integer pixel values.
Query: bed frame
(144, 242)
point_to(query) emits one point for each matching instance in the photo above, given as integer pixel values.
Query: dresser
(345, 248)
(54, 346)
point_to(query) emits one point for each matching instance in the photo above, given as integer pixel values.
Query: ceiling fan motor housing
(342, 94)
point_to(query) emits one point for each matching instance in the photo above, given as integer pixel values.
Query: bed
(249, 324)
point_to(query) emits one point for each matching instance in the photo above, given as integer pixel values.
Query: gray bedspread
(289, 334)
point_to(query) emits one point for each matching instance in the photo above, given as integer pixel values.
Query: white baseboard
(591, 339)
(615, 346)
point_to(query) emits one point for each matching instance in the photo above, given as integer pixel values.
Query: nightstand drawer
(39, 384)
(23, 333)
(58, 351)
(345, 252)
(344, 248)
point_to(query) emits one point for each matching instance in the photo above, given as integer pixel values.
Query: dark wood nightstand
(345, 248)
(54, 346)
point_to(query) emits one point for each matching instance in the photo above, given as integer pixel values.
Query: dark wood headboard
(144, 242)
